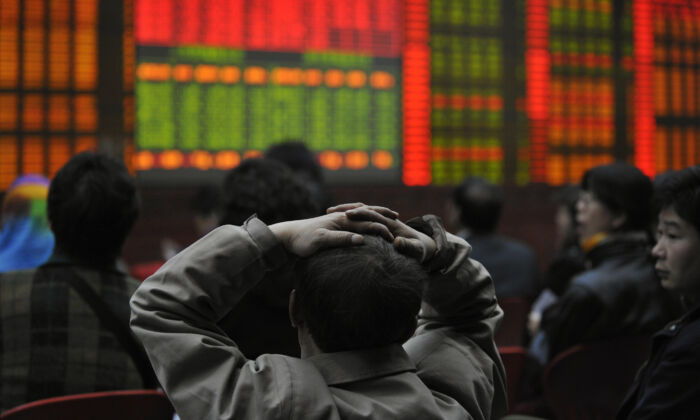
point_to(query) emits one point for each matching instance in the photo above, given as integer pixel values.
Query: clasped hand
(345, 224)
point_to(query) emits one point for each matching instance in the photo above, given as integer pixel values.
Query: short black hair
(267, 188)
(206, 200)
(480, 203)
(680, 190)
(359, 297)
(622, 188)
(92, 206)
(297, 156)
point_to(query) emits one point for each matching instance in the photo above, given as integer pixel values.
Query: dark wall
(527, 215)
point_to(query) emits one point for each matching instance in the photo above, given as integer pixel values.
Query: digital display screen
(219, 81)
(48, 83)
(467, 88)
(676, 55)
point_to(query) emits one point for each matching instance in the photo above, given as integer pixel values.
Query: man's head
(479, 203)
(268, 188)
(358, 297)
(615, 197)
(92, 206)
(205, 205)
(677, 250)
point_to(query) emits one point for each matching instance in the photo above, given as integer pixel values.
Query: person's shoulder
(18, 275)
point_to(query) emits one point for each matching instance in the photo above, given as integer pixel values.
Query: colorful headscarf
(26, 240)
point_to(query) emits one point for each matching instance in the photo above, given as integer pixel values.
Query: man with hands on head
(362, 276)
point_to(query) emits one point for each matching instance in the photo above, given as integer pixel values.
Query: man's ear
(293, 310)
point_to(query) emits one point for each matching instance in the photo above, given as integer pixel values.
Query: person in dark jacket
(667, 387)
(54, 341)
(512, 264)
(275, 194)
(618, 295)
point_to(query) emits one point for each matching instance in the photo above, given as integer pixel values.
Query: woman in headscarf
(26, 240)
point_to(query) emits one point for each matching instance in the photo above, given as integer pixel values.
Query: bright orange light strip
(644, 122)
(145, 160)
(206, 73)
(537, 67)
(416, 92)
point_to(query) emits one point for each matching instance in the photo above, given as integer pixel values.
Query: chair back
(514, 359)
(511, 332)
(589, 381)
(111, 405)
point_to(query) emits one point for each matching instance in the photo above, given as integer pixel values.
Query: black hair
(624, 189)
(297, 157)
(680, 190)
(359, 297)
(206, 200)
(480, 203)
(267, 188)
(92, 206)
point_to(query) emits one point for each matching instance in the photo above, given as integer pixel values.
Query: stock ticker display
(48, 84)
(419, 92)
(218, 81)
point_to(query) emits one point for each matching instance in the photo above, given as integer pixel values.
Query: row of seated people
(44, 353)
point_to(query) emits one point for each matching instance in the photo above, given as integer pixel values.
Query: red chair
(589, 381)
(514, 360)
(511, 332)
(111, 405)
(142, 271)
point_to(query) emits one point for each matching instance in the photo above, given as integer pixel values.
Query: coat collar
(357, 365)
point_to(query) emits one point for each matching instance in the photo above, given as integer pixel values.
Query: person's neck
(307, 344)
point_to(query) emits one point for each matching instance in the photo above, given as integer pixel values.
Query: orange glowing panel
(128, 104)
(59, 153)
(227, 160)
(313, 77)
(255, 75)
(33, 112)
(85, 113)
(59, 58)
(182, 73)
(201, 160)
(382, 159)
(334, 78)
(160, 72)
(59, 113)
(32, 155)
(8, 111)
(205, 73)
(171, 159)
(143, 160)
(9, 43)
(85, 58)
(356, 78)
(381, 80)
(8, 161)
(252, 154)
(356, 159)
(230, 74)
(331, 160)
(33, 56)
(83, 143)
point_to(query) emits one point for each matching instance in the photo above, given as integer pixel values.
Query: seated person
(274, 194)
(53, 340)
(511, 263)
(25, 238)
(354, 305)
(666, 387)
(618, 295)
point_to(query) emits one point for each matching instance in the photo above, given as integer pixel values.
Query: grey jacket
(449, 370)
